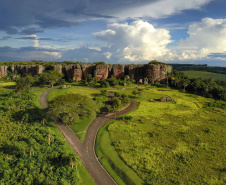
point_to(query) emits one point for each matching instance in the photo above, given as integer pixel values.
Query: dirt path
(86, 150)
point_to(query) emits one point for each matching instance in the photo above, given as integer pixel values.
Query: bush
(117, 94)
(125, 100)
(104, 83)
(135, 92)
(104, 92)
(116, 103)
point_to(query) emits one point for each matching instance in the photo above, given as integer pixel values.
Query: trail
(86, 150)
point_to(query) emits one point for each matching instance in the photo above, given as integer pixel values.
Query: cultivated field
(181, 142)
(205, 75)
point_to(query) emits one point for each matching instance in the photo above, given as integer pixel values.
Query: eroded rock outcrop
(118, 70)
(78, 72)
(73, 72)
(157, 72)
(3, 71)
(101, 71)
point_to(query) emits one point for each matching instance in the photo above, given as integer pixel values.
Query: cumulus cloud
(138, 41)
(205, 38)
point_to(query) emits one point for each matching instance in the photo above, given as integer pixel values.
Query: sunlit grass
(205, 75)
(10, 85)
(74, 89)
(172, 142)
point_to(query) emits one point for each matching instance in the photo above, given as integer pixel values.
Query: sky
(118, 32)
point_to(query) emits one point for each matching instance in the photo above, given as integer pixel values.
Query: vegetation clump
(71, 108)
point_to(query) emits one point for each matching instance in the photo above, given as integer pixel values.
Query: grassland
(74, 89)
(181, 142)
(205, 75)
(8, 85)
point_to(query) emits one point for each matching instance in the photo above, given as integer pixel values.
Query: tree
(50, 77)
(24, 83)
(71, 108)
(185, 83)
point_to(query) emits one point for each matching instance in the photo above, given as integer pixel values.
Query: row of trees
(207, 88)
(47, 78)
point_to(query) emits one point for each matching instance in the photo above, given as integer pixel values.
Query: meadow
(205, 75)
(181, 142)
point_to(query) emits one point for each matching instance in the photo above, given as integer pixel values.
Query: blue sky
(128, 31)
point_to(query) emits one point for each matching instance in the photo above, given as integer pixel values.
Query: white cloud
(161, 8)
(35, 40)
(205, 37)
(138, 41)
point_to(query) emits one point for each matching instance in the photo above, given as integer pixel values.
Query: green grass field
(8, 85)
(74, 89)
(205, 75)
(181, 142)
(111, 161)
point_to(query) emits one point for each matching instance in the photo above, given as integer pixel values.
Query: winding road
(86, 150)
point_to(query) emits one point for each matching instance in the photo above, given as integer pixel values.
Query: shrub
(117, 94)
(135, 92)
(104, 83)
(104, 92)
(125, 100)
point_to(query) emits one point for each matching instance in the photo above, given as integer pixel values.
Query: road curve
(86, 150)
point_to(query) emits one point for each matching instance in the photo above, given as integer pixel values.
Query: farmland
(205, 75)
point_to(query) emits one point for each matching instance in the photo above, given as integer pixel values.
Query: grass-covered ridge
(177, 142)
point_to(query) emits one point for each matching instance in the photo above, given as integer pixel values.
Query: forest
(30, 153)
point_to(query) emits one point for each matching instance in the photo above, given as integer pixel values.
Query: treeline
(207, 88)
(49, 78)
(34, 62)
(193, 67)
(30, 153)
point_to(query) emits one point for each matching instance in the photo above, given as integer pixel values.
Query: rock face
(78, 72)
(3, 71)
(87, 69)
(73, 72)
(157, 72)
(135, 71)
(101, 71)
(118, 71)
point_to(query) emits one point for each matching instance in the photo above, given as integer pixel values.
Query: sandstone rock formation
(3, 71)
(157, 72)
(101, 71)
(78, 72)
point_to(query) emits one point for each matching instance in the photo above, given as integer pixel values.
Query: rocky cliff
(78, 72)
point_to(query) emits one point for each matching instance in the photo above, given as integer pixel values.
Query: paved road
(86, 149)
